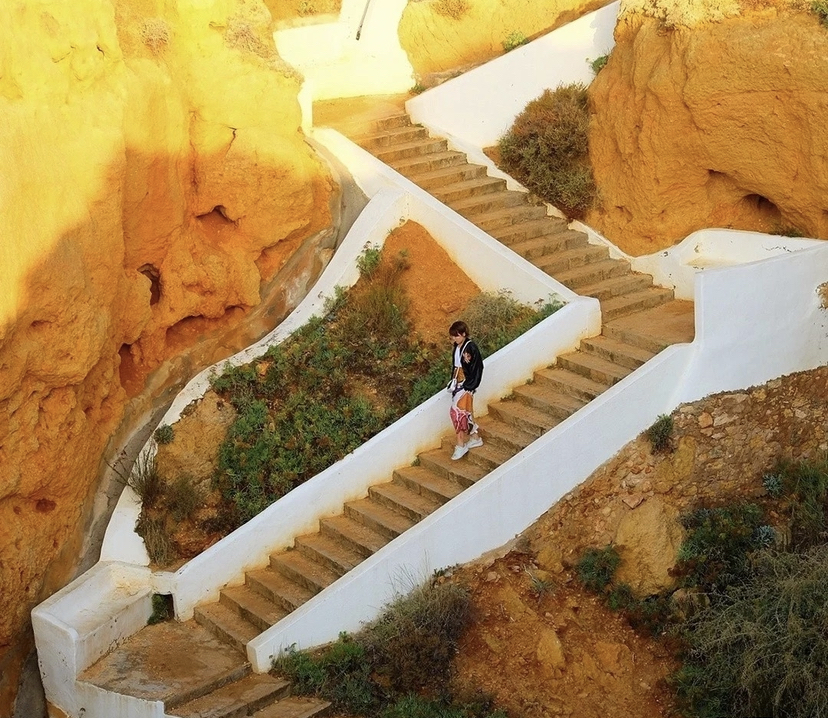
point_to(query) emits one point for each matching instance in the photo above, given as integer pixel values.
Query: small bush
(418, 89)
(762, 650)
(513, 40)
(368, 261)
(547, 149)
(162, 609)
(153, 530)
(598, 64)
(164, 434)
(773, 484)
(820, 9)
(597, 567)
(183, 498)
(716, 552)
(413, 643)
(454, 9)
(146, 481)
(805, 489)
(660, 432)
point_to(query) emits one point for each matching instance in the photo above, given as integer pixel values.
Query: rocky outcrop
(154, 182)
(722, 124)
(444, 35)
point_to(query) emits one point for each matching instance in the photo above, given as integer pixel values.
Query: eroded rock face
(152, 177)
(720, 125)
(444, 36)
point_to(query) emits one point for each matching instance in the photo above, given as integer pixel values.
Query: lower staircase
(640, 320)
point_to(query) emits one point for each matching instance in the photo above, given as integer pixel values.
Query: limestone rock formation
(443, 35)
(153, 177)
(648, 539)
(721, 124)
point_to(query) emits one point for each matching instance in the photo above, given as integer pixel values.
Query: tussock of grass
(547, 149)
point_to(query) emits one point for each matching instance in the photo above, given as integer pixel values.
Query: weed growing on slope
(820, 9)
(514, 40)
(660, 432)
(389, 667)
(598, 64)
(547, 149)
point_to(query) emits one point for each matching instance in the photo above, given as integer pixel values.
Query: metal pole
(362, 21)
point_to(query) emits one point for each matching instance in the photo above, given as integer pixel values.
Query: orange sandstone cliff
(153, 183)
(712, 121)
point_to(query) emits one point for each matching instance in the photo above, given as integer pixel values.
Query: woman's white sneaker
(459, 452)
(474, 442)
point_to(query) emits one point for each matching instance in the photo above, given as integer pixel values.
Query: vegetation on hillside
(399, 666)
(749, 612)
(308, 402)
(547, 149)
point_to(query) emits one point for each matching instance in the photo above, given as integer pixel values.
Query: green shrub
(659, 433)
(773, 484)
(164, 434)
(514, 39)
(820, 9)
(716, 551)
(414, 642)
(805, 490)
(762, 650)
(599, 63)
(183, 498)
(162, 609)
(597, 567)
(418, 88)
(547, 149)
(410, 647)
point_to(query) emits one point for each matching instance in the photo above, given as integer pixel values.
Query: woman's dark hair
(458, 328)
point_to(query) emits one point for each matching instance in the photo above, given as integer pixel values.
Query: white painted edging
(468, 109)
(80, 623)
(677, 266)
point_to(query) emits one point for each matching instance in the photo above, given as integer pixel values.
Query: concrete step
(499, 218)
(523, 417)
(545, 245)
(417, 148)
(296, 707)
(185, 694)
(542, 397)
(296, 566)
(334, 554)
(226, 624)
(378, 517)
(592, 273)
(499, 436)
(627, 355)
(617, 286)
(401, 499)
(278, 589)
(392, 136)
(428, 483)
(433, 179)
(252, 606)
(391, 121)
(568, 382)
(570, 258)
(421, 164)
(353, 534)
(234, 700)
(514, 233)
(475, 187)
(593, 367)
(439, 462)
(493, 453)
(634, 302)
(483, 204)
(358, 127)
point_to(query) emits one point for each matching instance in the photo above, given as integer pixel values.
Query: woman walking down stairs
(640, 320)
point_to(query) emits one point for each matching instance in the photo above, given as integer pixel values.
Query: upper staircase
(640, 320)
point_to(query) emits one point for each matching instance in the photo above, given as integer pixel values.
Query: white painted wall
(359, 54)
(677, 266)
(478, 107)
(84, 620)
